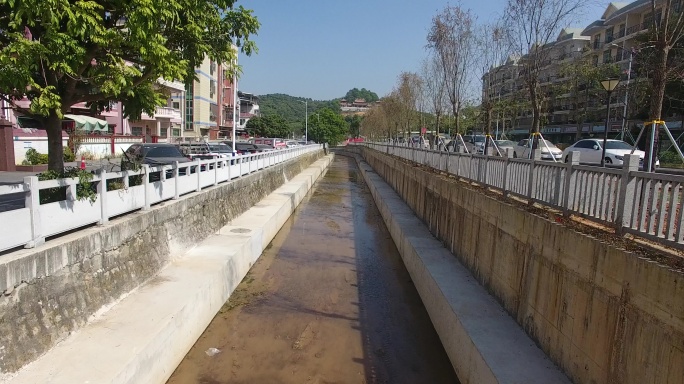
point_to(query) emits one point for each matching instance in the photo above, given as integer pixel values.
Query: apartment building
(201, 106)
(506, 83)
(612, 39)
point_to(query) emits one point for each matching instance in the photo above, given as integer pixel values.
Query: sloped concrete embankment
(603, 314)
(53, 290)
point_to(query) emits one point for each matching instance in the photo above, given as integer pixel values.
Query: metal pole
(605, 132)
(306, 121)
(235, 110)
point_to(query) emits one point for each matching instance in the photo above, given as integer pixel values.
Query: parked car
(291, 143)
(548, 151)
(273, 142)
(152, 155)
(419, 141)
(204, 150)
(503, 144)
(591, 149)
(264, 148)
(475, 143)
(242, 147)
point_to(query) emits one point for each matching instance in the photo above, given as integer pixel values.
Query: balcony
(163, 113)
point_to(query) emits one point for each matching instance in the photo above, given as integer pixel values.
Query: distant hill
(292, 108)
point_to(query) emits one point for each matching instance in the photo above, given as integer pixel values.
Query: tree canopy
(327, 126)
(269, 126)
(59, 53)
(362, 93)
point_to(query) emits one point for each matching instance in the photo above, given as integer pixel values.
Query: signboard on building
(552, 130)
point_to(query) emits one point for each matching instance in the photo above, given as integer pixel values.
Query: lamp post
(306, 119)
(609, 85)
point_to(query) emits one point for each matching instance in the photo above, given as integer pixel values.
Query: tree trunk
(536, 116)
(656, 107)
(53, 126)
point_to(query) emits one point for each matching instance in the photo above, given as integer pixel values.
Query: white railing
(641, 203)
(30, 225)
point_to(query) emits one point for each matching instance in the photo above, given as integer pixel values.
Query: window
(585, 144)
(212, 68)
(609, 35)
(621, 32)
(137, 131)
(175, 105)
(175, 132)
(164, 132)
(212, 88)
(607, 56)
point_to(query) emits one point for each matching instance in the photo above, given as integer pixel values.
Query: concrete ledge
(145, 336)
(484, 344)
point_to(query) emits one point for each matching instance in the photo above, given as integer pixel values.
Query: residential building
(612, 39)
(166, 123)
(228, 106)
(249, 108)
(201, 105)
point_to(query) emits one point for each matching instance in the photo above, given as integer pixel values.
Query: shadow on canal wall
(603, 314)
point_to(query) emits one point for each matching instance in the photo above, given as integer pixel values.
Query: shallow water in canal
(329, 301)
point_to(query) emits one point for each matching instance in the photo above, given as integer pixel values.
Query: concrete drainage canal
(329, 301)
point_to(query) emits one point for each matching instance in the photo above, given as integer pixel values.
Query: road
(329, 301)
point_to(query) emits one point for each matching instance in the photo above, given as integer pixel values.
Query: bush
(670, 157)
(69, 156)
(85, 190)
(33, 157)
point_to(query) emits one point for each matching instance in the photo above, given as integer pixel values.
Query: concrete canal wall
(53, 291)
(603, 314)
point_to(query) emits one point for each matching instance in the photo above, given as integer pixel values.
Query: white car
(591, 149)
(548, 150)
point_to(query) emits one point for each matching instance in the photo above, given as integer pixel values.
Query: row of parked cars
(155, 154)
(590, 150)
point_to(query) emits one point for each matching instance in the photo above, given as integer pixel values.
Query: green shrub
(69, 156)
(33, 157)
(670, 157)
(85, 190)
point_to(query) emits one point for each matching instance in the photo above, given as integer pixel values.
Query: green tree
(59, 53)
(362, 93)
(268, 126)
(328, 127)
(354, 122)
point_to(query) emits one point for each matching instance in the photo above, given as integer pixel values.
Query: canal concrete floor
(329, 301)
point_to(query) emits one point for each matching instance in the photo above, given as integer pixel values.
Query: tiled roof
(626, 8)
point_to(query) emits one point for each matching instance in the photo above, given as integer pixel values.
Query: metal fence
(29, 225)
(641, 203)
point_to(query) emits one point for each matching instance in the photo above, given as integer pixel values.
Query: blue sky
(320, 49)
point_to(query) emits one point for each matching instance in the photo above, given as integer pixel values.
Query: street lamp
(609, 85)
(306, 120)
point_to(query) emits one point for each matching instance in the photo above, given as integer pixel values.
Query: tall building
(612, 39)
(201, 106)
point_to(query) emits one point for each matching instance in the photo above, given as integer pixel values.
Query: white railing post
(570, 180)
(240, 162)
(146, 185)
(626, 197)
(176, 182)
(216, 166)
(102, 196)
(198, 172)
(508, 155)
(536, 156)
(32, 202)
